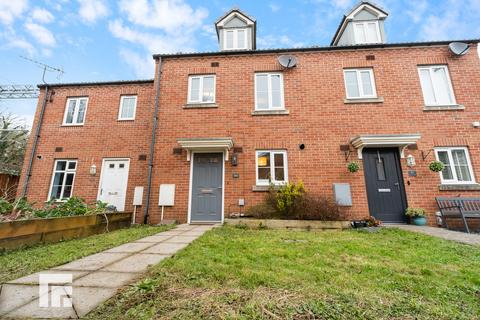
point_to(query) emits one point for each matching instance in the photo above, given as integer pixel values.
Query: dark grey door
(385, 188)
(207, 180)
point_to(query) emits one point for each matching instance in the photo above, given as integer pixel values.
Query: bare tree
(13, 142)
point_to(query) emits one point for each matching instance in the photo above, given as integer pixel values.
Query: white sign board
(138, 196)
(167, 195)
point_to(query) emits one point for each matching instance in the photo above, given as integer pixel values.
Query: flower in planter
(353, 167)
(436, 166)
(415, 212)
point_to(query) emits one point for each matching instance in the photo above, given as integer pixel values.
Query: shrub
(72, 207)
(286, 198)
(5, 206)
(317, 207)
(262, 211)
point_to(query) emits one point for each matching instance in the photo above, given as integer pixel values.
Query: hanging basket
(436, 166)
(353, 167)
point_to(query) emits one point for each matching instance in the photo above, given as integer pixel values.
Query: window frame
(201, 77)
(235, 38)
(362, 95)
(452, 166)
(75, 112)
(122, 98)
(64, 178)
(282, 94)
(365, 23)
(449, 83)
(263, 182)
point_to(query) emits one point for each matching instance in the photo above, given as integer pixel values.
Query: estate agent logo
(54, 292)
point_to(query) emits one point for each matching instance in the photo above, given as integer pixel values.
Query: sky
(101, 40)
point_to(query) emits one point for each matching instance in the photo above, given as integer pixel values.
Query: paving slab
(93, 262)
(462, 237)
(193, 233)
(33, 278)
(136, 263)
(132, 247)
(106, 279)
(181, 239)
(13, 296)
(155, 239)
(86, 299)
(33, 310)
(166, 248)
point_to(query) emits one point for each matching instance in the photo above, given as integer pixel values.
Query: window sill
(269, 112)
(459, 187)
(444, 108)
(364, 100)
(262, 188)
(71, 125)
(200, 106)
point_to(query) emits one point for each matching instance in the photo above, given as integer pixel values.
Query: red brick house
(212, 130)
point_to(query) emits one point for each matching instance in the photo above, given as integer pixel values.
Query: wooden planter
(289, 224)
(16, 234)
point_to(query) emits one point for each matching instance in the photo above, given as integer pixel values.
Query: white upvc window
(359, 83)
(235, 39)
(128, 107)
(201, 89)
(63, 178)
(75, 111)
(436, 85)
(366, 32)
(269, 91)
(458, 168)
(271, 167)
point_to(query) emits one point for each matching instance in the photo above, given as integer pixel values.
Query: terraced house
(206, 137)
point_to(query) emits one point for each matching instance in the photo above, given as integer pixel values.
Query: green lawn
(232, 273)
(21, 262)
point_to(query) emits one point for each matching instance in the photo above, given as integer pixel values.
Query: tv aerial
(459, 48)
(287, 61)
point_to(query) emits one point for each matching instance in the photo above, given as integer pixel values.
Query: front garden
(234, 273)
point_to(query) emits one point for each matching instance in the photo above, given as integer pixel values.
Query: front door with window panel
(207, 187)
(384, 181)
(113, 185)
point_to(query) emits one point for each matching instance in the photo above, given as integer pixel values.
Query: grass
(21, 262)
(231, 273)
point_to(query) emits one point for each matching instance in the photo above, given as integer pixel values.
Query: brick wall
(319, 118)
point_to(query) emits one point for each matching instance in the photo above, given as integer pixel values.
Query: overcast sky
(96, 40)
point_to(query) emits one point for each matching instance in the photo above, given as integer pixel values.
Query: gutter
(152, 144)
(35, 143)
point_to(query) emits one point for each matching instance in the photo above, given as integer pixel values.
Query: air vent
(215, 64)
(370, 57)
(177, 151)
(142, 157)
(58, 149)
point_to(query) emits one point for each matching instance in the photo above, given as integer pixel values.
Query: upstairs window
(436, 86)
(269, 91)
(235, 39)
(128, 106)
(366, 32)
(75, 111)
(458, 168)
(359, 83)
(201, 89)
(62, 180)
(271, 167)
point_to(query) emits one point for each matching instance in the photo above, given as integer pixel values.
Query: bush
(293, 202)
(415, 212)
(436, 166)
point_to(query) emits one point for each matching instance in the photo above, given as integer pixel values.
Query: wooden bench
(459, 207)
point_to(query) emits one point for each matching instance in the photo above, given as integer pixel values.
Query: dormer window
(236, 31)
(235, 39)
(366, 32)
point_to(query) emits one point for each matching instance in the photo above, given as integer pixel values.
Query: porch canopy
(401, 141)
(205, 145)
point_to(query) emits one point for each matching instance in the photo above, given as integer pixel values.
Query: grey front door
(385, 188)
(207, 181)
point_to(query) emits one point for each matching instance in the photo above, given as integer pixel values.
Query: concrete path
(96, 278)
(467, 238)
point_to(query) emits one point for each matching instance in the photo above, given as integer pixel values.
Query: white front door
(113, 182)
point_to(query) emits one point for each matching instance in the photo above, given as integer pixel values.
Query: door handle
(397, 185)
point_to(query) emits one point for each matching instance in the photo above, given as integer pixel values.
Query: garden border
(289, 224)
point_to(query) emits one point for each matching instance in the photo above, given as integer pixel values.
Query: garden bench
(459, 207)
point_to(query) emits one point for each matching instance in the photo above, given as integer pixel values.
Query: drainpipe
(35, 143)
(152, 144)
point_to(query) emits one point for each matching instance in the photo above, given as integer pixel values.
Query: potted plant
(353, 167)
(436, 166)
(417, 216)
